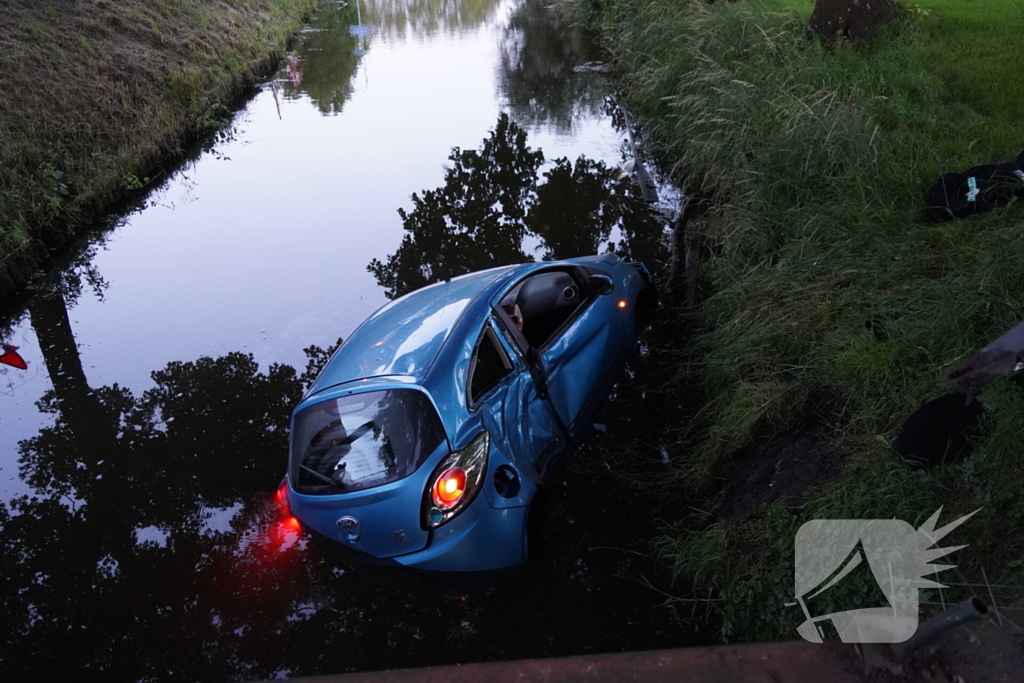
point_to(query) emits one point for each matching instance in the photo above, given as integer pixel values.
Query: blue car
(426, 437)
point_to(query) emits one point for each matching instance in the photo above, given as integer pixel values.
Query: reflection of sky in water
(151, 534)
(218, 520)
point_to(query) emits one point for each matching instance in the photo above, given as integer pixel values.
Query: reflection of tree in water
(148, 551)
(475, 221)
(81, 590)
(491, 201)
(540, 50)
(327, 59)
(576, 209)
(204, 438)
(401, 18)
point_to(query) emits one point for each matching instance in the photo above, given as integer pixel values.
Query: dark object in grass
(967, 611)
(851, 19)
(939, 432)
(977, 190)
(779, 468)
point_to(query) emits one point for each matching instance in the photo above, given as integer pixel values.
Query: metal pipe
(967, 611)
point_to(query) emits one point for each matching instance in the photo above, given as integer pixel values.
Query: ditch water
(140, 450)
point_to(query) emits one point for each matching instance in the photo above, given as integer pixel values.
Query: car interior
(490, 365)
(542, 303)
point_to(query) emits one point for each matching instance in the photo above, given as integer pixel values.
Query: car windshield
(362, 440)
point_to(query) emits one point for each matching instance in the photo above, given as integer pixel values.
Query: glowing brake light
(281, 498)
(622, 303)
(455, 483)
(449, 488)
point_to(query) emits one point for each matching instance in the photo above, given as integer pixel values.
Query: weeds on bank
(831, 305)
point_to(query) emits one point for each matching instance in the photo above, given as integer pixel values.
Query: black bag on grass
(976, 190)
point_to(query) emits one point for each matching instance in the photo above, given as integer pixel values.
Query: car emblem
(400, 536)
(349, 527)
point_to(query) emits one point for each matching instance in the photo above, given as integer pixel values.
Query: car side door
(515, 412)
(582, 360)
(575, 351)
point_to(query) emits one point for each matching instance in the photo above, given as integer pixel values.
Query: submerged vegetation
(830, 309)
(97, 94)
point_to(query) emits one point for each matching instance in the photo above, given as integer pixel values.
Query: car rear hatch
(355, 470)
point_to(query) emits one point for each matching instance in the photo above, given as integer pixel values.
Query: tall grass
(823, 279)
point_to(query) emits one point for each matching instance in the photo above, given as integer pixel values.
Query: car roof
(404, 336)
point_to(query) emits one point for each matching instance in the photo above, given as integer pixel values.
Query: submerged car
(426, 437)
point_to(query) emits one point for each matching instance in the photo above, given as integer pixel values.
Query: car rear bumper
(481, 539)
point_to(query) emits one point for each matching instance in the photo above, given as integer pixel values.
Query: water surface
(401, 141)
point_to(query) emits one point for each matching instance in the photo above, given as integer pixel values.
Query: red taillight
(455, 482)
(282, 498)
(449, 488)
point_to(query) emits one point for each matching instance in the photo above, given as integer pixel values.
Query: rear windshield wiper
(322, 477)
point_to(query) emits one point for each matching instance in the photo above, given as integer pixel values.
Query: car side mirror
(601, 284)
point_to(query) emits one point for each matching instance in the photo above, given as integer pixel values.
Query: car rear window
(362, 440)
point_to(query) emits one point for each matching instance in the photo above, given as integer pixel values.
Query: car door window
(490, 365)
(540, 305)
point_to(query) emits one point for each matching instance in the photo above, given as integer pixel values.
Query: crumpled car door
(530, 427)
(582, 362)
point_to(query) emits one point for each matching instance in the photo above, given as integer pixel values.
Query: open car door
(534, 430)
(571, 337)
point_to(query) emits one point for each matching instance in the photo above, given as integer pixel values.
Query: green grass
(976, 46)
(96, 92)
(832, 306)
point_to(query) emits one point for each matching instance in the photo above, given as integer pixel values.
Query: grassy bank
(831, 308)
(98, 93)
